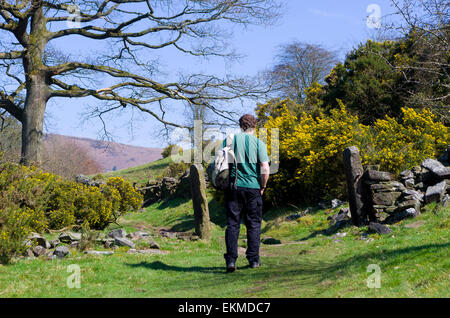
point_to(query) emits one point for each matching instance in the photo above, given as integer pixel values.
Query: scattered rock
(342, 215)
(168, 234)
(108, 243)
(336, 203)
(344, 234)
(155, 245)
(29, 253)
(147, 251)
(39, 241)
(99, 252)
(446, 200)
(75, 244)
(270, 241)
(152, 251)
(411, 212)
(137, 235)
(61, 251)
(379, 228)
(39, 250)
(69, 237)
(83, 179)
(121, 241)
(121, 233)
(54, 243)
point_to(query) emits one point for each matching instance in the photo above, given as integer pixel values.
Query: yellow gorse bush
(311, 148)
(32, 200)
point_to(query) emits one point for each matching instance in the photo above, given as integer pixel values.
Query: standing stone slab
(354, 172)
(200, 202)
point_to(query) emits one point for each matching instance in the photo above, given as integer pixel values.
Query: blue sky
(337, 25)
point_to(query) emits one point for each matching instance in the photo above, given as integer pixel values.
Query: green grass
(413, 262)
(310, 262)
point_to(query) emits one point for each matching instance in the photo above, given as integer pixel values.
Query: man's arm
(265, 172)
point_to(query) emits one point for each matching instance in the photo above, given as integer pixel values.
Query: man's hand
(262, 191)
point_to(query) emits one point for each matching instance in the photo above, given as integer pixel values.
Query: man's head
(247, 122)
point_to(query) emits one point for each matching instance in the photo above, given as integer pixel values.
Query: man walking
(244, 196)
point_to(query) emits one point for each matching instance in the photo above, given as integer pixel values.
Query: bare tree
(298, 65)
(133, 29)
(426, 24)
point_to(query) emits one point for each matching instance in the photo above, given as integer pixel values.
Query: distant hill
(109, 155)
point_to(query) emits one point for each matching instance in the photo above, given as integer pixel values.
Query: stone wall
(394, 198)
(160, 190)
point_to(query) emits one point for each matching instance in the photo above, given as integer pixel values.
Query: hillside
(108, 154)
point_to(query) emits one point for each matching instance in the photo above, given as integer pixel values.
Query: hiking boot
(255, 264)
(231, 267)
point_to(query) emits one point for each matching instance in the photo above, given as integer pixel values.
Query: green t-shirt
(250, 152)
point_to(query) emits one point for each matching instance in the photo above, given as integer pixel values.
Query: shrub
(15, 225)
(122, 195)
(63, 202)
(398, 145)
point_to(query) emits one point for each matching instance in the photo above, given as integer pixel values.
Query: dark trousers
(243, 203)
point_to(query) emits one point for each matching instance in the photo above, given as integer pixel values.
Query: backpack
(220, 167)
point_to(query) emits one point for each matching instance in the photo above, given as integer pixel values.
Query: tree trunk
(38, 90)
(33, 121)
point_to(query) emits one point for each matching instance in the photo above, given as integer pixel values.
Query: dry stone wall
(393, 198)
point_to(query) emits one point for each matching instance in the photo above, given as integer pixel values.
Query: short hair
(247, 121)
